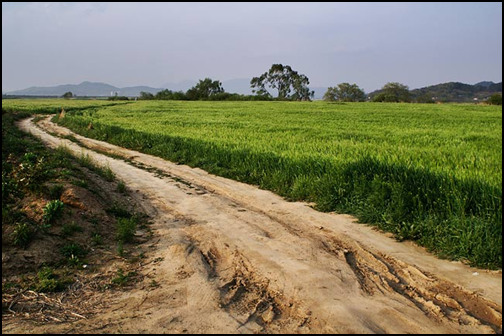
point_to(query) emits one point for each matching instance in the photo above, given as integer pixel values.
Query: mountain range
(448, 92)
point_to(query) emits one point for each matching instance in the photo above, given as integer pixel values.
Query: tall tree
(345, 92)
(204, 89)
(285, 80)
(393, 92)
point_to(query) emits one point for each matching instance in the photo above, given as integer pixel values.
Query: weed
(22, 234)
(126, 229)
(122, 279)
(81, 183)
(69, 229)
(73, 253)
(118, 211)
(52, 210)
(96, 239)
(120, 248)
(121, 187)
(55, 191)
(48, 281)
(108, 174)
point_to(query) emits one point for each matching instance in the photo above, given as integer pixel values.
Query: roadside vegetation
(56, 232)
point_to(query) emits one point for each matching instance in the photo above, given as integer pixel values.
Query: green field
(430, 173)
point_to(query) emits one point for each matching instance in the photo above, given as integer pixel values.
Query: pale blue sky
(370, 44)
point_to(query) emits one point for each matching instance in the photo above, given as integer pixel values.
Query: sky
(369, 44)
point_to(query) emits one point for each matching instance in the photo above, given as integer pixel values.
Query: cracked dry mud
(231, 258)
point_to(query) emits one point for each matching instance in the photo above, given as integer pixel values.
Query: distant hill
(93, 89)
(453, 92)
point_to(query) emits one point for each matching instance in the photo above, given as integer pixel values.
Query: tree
(495, 99)
(204, 89)
(146, 95)
(285, 80)
(393, 92)
(67, 95)
(345, 92)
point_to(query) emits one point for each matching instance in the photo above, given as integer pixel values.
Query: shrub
(495, 99)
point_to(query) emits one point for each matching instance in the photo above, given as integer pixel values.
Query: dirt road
(232, 258)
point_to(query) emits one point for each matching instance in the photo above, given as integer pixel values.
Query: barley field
(425, 172)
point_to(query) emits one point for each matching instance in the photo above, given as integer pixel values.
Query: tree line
(290, 85)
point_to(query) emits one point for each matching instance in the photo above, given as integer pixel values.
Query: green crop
(430, 173)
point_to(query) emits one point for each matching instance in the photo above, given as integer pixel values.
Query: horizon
(369, 44)
(185, 81)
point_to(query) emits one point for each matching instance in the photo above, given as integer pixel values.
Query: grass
(68, 229)
(430, 173)
(51, 105)
(126, 229)
(121, 187)
(122, 279)
(104, 172)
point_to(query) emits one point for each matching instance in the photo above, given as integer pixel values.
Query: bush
(495, 99)
(118, 98)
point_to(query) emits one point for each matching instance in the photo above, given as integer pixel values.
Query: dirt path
(232, 258)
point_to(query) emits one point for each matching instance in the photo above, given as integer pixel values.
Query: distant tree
(393, 92)
(285, 80)
(118, 98)
(345, 92)
(67, 95)
(170, 95)
(146, 95)
(204, 89)
(495, 99)
(164, 95)
(424, 99)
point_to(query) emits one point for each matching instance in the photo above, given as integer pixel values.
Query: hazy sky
(370, 44)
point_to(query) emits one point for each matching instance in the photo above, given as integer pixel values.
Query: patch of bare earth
(229, 258)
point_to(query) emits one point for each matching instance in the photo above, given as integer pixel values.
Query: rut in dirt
(277, 266)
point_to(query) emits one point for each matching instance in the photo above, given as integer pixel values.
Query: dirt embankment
(231, 258)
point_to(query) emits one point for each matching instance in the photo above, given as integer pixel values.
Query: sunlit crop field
(53, 105)
(431, 173)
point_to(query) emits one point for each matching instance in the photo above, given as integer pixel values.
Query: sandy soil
(231, 258)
